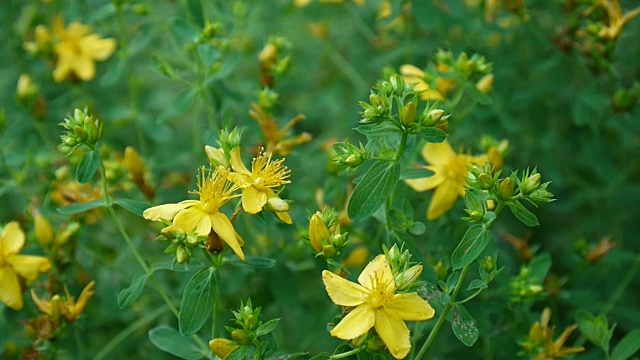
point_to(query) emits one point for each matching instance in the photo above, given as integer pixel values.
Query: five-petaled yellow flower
(414, 75)
(57, 307)
(77, 50)
(376, 305)
(257, 185)
(13, 265)
(203, 215)
(450, 171)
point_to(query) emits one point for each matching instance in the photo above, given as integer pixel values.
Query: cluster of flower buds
(46, 235)
(525, 287)
(349, 154)
(271, 63)
(227, 140)
(464, 65)
(82, 129)
(530, 187)
(406, 273)
(325, 236)
(182, 244)
(377, 110)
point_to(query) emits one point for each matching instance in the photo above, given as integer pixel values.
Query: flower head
(203, 215)
(13, 265)
(258, 184)
(448, 180)
(376, 305)
(77, 50)
(68, 308)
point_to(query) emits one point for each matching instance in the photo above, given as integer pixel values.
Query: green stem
(469, 298)
(124, 334)
(443, 314)
(401, 147)
(345, 354)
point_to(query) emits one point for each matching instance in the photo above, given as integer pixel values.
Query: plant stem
(443, 314)
(401, 147)
(469, 298)
(345, 354)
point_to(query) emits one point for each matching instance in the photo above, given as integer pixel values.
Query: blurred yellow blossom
(278, 140)
(203, 215)
(77, 50)
(616, 20)
(415, 76)
(448, 180)
(13, 266)
(540, 341)
(376, 305)
(68, 308)
(257, 185)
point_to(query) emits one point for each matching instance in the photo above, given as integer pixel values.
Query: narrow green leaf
(88, 166)
(197, 300)
(411, 173)
(464, 325)
(477, 284)
(596, 329)
(472, 244)
(129, 295)
(133, 206)
(473, 199)
(80, 207)
(257, 262)
(539, 267)
(169, 340)
(267, 327)
(239, 353)
(374, 189)
(627, 347)
(524, 215)
(433, 135)
(378, 129)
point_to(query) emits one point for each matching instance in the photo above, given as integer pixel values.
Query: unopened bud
(339, 240)
(531, 183)
(44, 232)
(485, 181)
(276, 204)
(318, 232)
(405, 279)
(397, 83)
(182, 254)
(434, 116)
(133, 162)
(241, 336)
(476, 215)
(485, 84)
(488, 264)
(222, 347)
(408, 115)
(505, 189)
(329, 251)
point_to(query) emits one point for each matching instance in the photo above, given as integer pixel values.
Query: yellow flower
(257, 185)
(450, 171)
(77, 50)
(69, 308)
(616, 19)
(415, 76)
(376, 305)
(203, 215)
(540, 341)
(13, 265)
(222, 347)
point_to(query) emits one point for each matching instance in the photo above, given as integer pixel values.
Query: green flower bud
(531, 183)
(485, 181)
(329, 251)
(476, 215)
(405, 279)
(488, 264)
(408, 114)
(182, 254)
(242, 337)
(505, 189)
(276, 204)
(433, 117)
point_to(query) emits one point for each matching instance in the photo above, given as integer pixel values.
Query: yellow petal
(410, 307)
(11, 239)
(61, 71)
(76, 309)
(378, 270)
(393, 332)
(84, 67)
(428, 183)
(411, 70)
(165, 212)
(95, 47)
(222, 347)
(191, 219)
(28, 266)
(444, 197)
(356, 323)
(342, 291)
(236, 162)
(253, 200)
(10, 292)
(431, 94)
(42, 304)
(438, 154)
(284, 217)
(223, 227)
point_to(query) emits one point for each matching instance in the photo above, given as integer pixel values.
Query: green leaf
(433, 135)
(324, 355)
(374, 189)
(197, 300)
(627, 347)
(473, 200)
(477, 284)
(133, 206)
(524, 215)
(129, 295)
(472, 244)
(239, 353)
(476, 94)
(378, 129)
(464, 325)
(267, 327)
(80, 207)
(169, 340)
(411, 173)
(539, 267)
(258, 262)
(596, 329)
(88, 166)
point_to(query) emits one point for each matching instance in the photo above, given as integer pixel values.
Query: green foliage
(197, 301)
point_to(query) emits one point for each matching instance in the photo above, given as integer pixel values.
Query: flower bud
(408, 114)
(67, 233)
(276, 204)
(505, 189)
(26, 89)
(433, 117)
(531, 183)
(339, 240)
(485, 182)
(329, 251)
(44, 232)
(133, 163)
(318, 232)
(242, 337)
(488, 264)
(485, 84)
(476, 215)
(222, 347)
(397, 83)
(405, 279)
(182, 254)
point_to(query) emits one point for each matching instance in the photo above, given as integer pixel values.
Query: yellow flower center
(456, 169)
(381, 290)
(268, 174)
(213, 189)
